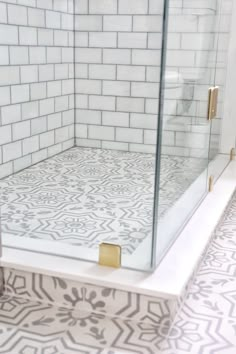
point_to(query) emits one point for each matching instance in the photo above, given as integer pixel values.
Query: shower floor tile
(87, 196)
(205, 323)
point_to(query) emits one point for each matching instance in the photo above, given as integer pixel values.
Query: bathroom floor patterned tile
(204, 324)
(86, 196)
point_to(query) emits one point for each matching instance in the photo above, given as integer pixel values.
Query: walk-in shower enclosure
(104, 129)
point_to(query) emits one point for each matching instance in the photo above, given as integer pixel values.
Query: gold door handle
(212, 102)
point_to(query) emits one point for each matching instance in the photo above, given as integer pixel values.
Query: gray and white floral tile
(90, 298)
(45, 315)
(86, 196)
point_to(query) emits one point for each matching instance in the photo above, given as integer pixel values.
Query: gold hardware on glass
(211, 183)
(110, 255)
(232, 154)
(212, 102)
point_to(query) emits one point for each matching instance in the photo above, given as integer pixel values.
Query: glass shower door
(188, 71)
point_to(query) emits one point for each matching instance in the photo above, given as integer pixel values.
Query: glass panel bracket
(212, 102)
(110, 255)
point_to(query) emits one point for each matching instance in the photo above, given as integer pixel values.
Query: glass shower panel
(218, 157)
(183, 140)
(78, 97)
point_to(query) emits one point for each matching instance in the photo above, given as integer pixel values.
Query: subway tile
(20, 130)
(28, 36)
(29, 73)
(81, 7)
(68, 117)
(81, 131)
(131, 73)
(30, 110)
(9, 75)
(129, 135)
(117, 23)
(116, 88)
(81, 39)
(61, 71)
(103, 7)
(114, 145)
(11, 151)
(46, 139)
(132, 40)
(38, 91)
(133, 7)
(130, 104)
(67, 87)
(17, 15)
(145, 121)
(88, 55)
(81, 101)
(102, 102)
(8, 34)
(146, 57)
(88, 23)
(19, 55)
(5, 134)
(115, 119)
(3, 13)
(53, 19)
(36, 17)
(37, 55)
(46, 72)
(30, 145)
(61, 134)
(61, 6)
(44, 4)
(45, 37)
(54, 55)
(85, 116)
(102, 39)
(147, 23)
(88, 86)
(102, 71)
(101, 132)
(54, 88)
(61, 103)
(144, 89)
(5, 95)
(54, 121)
(11, 114)
(67, 55)
(4, 55)
(22, 163)
(117, 56)
(60, 38)
(20, 93)
(46, 106)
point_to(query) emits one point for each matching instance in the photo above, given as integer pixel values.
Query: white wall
(228, 140)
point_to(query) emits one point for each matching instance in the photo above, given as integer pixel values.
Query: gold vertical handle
(212, 102)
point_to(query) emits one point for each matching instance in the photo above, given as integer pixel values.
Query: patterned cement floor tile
(83, 196)
(32, 327)
(206, 323)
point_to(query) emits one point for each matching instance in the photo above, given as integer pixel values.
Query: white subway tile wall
(105, 75)
(117, 70)
(114, 59)
(36, 81)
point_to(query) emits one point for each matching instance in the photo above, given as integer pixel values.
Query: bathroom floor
(84, 195)
(205, 324)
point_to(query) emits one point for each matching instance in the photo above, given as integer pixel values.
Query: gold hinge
(212, 102)
(232, 154)
(211, 183)
(110, 255)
